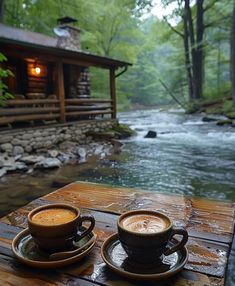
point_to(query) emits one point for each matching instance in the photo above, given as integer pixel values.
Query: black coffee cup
(146, 235)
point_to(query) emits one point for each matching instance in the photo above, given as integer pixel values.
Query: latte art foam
(144, 223)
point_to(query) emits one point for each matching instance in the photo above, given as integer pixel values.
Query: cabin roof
(36, 41)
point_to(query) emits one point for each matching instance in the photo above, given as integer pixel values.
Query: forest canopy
(187, 61)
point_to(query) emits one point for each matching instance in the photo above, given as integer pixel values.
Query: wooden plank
(113, 91)
(61, 90)
(86, 107)
(86, 100)
(35, 84)
(179, 208)
(13, 273)
(8, 119)
(15, 102)
(27, 110)
(204, 256)
(92, 112)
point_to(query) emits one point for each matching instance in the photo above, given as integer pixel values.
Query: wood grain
(210, 225)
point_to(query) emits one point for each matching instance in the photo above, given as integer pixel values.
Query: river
(188, 157)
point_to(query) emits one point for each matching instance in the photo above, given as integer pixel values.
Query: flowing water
(188, 157)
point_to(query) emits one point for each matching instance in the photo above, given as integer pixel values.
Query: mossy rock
(123, 131)
(230, 115)
(223, 122)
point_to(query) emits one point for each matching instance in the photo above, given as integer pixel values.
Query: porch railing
(27, 110)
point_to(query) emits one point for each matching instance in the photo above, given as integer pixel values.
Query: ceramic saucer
(116, 258)
(26, 251)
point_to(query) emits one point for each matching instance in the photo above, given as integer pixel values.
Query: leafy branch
(4, 73)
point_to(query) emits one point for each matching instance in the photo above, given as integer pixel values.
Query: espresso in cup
(55, 227)
(53, 216)
(144, 223)
(146, 235)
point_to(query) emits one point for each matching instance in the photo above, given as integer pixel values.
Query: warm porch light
(37, 70)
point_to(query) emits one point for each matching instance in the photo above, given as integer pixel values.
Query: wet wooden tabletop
(210, 225)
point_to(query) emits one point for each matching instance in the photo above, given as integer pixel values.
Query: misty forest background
(187, 57)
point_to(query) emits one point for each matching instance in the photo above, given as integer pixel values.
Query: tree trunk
(199, 59)
(233, 54)
(196, 46)
(189, 19)
(187, 58)
(1, 11)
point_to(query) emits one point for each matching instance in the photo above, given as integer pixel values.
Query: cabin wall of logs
(48, 92)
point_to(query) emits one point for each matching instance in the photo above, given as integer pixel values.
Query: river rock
(214, 117)
(6, 139)
(32, 159)
(18, 150)
(3, 171)
(82, 153)
(98, 150)
(223, 122)
(67, 146)
(27, 136)
(28, 148)
(151, 134)
(53, 153)
(17, 166)
(8, 162)
(117, 146)
(48, 163)
(7, 147)
(64, 158)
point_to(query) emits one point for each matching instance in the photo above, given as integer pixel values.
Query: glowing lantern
(37, 70)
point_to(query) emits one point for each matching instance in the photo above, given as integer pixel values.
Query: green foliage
(124, 130)
(227, 107)
(117, 29)
(4, 73)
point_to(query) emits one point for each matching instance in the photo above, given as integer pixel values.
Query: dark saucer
(25, 249)
(116, 258)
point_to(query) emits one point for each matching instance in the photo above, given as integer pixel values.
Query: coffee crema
(53, 216)
(144, 223)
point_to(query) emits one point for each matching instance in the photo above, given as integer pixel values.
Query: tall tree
(192, 19)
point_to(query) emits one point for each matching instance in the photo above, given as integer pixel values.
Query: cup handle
(83, 218)
(181, 231)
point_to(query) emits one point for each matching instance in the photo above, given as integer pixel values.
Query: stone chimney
(68, 36)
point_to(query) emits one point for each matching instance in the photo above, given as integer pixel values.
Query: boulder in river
(223, 122)
(151, 134)
(48, 163)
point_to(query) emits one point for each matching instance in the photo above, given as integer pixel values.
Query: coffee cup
(55, 227)
(147, 235)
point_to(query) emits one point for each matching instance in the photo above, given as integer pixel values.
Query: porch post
(60, 91)
(113, 92)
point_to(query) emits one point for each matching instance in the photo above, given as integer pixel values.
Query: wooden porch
(51, 83)
(27, 110)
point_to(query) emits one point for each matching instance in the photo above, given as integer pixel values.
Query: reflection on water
(188, 157)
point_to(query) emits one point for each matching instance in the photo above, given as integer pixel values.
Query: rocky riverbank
(47, 148)
(67, 152)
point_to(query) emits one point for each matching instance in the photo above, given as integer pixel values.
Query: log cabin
(51, 77)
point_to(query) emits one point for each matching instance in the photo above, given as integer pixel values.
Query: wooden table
(210, 225)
